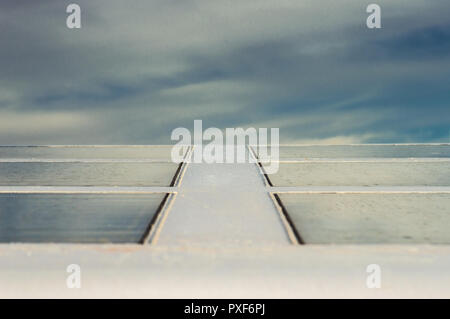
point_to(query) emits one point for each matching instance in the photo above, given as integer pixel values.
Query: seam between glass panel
(157, 223)
(289, 227)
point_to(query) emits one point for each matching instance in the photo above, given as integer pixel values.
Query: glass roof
(116, 194)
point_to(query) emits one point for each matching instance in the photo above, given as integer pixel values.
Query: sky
(138, 69)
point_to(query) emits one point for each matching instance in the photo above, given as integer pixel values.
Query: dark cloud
(137, 71)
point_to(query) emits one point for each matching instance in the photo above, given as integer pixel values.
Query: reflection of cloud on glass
(133, 73)
(76, 218)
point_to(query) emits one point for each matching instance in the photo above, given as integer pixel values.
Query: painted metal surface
(143, 271)
(84, 190)
(223, 204)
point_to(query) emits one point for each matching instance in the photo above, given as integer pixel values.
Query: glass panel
(87, 174)
(79, 152)
(37, 218)
(363, 174)
(363, 151)
(370, 218)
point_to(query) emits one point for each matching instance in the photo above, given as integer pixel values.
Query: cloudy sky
(138, 69)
